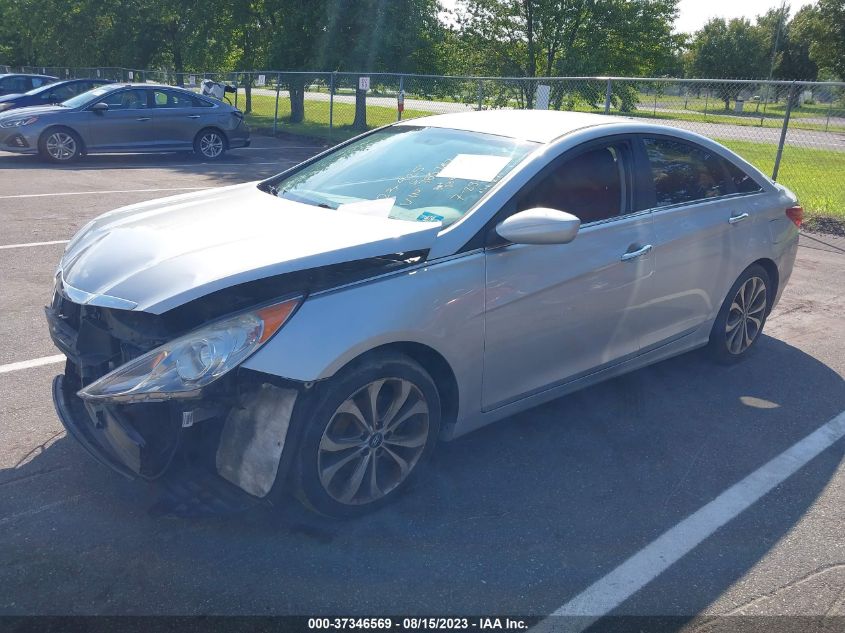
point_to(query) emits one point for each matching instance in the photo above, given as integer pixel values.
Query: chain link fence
(794, 131)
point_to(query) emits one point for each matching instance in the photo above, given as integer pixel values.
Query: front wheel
(370, 432)
(60, 145)
(210, 144)
(742, 316)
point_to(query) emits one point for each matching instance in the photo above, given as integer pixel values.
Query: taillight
(796, 214)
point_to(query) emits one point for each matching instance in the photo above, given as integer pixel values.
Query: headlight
(19, 122)
(5, 106)
(180, 368)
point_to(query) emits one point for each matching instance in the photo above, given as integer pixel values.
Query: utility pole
(777, 38)
(774, 55)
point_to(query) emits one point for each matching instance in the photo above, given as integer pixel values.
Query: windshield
(40, 89)
(425, 174)
(85, 97)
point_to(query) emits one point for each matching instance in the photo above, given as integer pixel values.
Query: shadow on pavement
(516, 518)
(234, 166)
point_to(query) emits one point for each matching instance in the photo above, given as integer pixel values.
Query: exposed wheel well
(437, 367)
(772, 270)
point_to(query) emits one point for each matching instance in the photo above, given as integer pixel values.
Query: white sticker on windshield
(474, 167)
(380, 208)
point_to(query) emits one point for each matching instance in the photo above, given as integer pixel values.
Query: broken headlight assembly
(183, 366)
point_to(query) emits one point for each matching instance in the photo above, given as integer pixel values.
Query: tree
(735, 50)
(378, 36)
(826, 28)
(544, 38)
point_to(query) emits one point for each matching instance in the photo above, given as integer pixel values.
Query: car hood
(158, 255)
(10, 97)
(31, 110)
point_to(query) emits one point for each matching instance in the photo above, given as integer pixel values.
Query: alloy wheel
(373, 441)
(61, 146)
(211, 145)
(746, 314)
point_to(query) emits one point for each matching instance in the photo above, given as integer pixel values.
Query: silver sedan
(125, 118)
(321, 330)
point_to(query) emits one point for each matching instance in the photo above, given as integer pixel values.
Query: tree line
(524, 38)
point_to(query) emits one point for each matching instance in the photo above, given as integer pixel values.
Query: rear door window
(683, 172)
(172, 99)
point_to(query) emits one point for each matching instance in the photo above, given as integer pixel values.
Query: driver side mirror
(539, 226)
(100, 107)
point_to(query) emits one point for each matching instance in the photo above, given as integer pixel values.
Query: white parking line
(89, 193)
(35, 362)
(28, 244)
(612, 590)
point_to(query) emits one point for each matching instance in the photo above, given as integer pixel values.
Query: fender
(437, 304)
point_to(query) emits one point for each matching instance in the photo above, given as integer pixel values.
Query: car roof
(542, 126)
(27, 75)
(129, 84)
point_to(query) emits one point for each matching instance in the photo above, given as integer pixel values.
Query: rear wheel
(210, 144)
(60, 145)
(742, 316)
(368, 436)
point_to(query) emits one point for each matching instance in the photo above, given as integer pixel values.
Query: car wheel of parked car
(369, 432)
(742, 316)
(210, 144)
(60, 145)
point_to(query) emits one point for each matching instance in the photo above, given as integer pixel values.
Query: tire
(742, 316)
(337, 480)
(60, 145)
(210, 144)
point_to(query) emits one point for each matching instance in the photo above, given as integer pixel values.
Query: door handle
(737, 218)
(143, 118)
(193, 116)
(638, 253)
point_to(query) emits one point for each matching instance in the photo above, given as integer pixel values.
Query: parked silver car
(320, 330)
(125, 118)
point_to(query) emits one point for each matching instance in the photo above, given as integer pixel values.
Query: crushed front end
(228, 435)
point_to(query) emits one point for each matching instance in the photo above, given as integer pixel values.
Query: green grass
(816, 176)
(747, 119)
(316, 122)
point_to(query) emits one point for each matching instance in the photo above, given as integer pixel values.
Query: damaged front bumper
(110, 444)
(240, 447)
(231, 432)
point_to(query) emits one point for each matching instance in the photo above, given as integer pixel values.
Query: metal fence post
(480, 94)
(608, 95)
(237, 85)
(402, 94)
(782, 141)
(276, 113)
(331, 101)
(829, 107)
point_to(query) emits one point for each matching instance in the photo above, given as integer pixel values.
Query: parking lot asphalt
(519, 518)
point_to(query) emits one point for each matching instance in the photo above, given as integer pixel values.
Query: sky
(693, 14)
